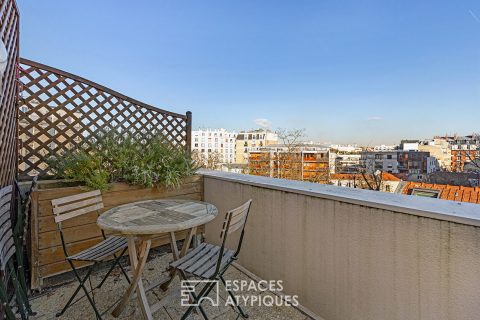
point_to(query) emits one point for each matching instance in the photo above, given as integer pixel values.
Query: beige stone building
(248, 140)
(440, 149)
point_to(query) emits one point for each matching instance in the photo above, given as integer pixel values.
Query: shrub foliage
(116, 157)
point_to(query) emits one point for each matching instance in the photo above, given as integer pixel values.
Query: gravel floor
(51, 300)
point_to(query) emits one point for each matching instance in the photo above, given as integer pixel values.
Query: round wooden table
(143, 220)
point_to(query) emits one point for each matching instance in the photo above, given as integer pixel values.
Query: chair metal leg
(121, 267)
(58, 314)
(115, 262)
(242, 313)
(80, 286)
(9, 315)
(203, 293)
(92, 303)
(193, 295)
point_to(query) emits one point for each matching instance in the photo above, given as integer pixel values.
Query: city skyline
(344, 72)
(307, 139)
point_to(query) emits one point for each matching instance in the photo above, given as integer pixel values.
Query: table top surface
(156, 216)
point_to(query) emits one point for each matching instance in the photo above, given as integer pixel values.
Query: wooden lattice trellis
(9, 33)
(60, 111)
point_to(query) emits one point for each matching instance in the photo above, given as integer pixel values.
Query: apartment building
(387, 182)
(217, 144)
(305, 163)
(385, 147)
(412, 161)
(385, 161)
(249, 140)
(345, 159)
(409, 145)
(398, 162)
(463, 150)
(440, 149)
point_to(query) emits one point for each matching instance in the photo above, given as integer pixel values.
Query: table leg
(176, 254)
(137, 264)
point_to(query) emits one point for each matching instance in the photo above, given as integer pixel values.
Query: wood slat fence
(59, 111)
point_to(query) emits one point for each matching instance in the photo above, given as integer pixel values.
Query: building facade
(387, 182)
(464, 150)
(249, 140)
(385, 147)
(214, 145)
(345, 159)
(398, 162)
(305, 163)
(440, 149)
(385, 161)
(409, 145)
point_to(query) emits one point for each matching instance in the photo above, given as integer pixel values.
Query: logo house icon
(188, 287)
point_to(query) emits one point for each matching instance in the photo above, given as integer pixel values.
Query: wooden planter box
(46, 253)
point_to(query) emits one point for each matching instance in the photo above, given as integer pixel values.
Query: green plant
(114, 157)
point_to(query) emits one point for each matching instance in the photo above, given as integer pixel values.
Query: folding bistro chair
(75, 206)
(15, 302)
(210, 262)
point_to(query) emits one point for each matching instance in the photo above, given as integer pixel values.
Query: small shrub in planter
(120, 157)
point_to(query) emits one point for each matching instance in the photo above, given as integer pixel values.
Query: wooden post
(188, 147)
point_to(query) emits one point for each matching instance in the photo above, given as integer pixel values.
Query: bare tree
(289, 160)
(212, 161)
(291, 138)
(372, 180)
(473, 164)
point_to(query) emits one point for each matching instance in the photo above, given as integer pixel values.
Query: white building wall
(432, 165)
(410, 146)
(220, 141)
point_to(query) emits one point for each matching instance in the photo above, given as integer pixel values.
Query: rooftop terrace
(346, 253)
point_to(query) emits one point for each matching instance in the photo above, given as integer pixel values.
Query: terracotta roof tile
(447, 192)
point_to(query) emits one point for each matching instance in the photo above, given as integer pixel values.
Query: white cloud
(264, 123)
(375, 118)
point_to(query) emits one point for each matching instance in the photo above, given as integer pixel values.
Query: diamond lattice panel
(60, 111)
(9, 28)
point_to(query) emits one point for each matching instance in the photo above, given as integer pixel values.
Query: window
(389, 156)
(428, 193)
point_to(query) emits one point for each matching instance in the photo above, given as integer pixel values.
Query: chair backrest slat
(76, 197)
(235, 218)
(73, 206)
(7, 247)
(237, 225)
